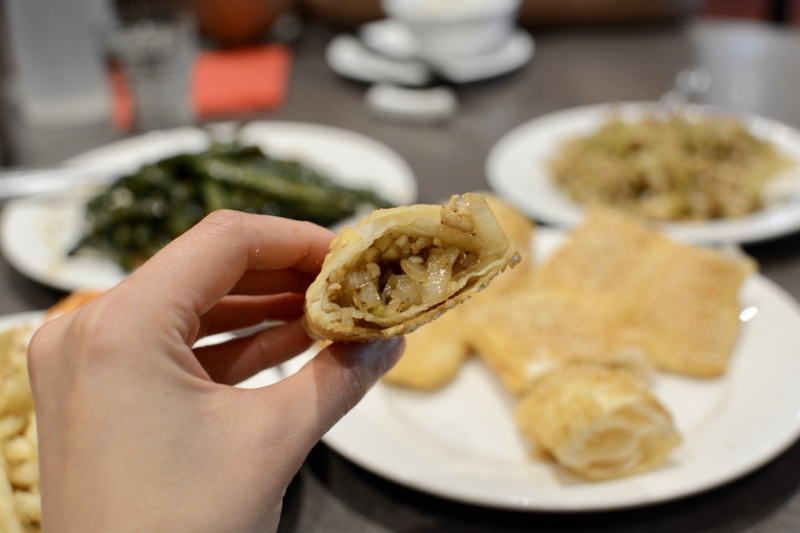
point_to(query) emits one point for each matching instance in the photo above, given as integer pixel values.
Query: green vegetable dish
(139, 214)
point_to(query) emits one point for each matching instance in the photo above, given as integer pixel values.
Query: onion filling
(404, 269)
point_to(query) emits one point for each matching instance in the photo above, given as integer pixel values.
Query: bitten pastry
(435, 352)
(403, 267)
(600, 422)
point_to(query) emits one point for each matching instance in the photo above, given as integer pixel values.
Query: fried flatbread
(685, 308)
(526, 334)
(616, 293)
(599, 256)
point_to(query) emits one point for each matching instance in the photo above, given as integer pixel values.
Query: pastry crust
(433, 355)
(435, 352)
(426, 259)
(599, 422)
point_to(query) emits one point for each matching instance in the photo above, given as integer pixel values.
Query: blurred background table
(755, 67)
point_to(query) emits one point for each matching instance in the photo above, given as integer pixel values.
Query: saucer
(386, 52)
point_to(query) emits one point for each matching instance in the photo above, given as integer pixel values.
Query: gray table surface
(755, 68)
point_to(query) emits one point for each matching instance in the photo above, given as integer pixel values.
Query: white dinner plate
(517, 168)
(37, 232)
(31, 318)
(462, 443)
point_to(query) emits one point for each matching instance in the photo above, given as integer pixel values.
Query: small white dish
(454, 29)
(420, 106)
(37, 232)
(517, 168)
(389, 37)
(462, 443)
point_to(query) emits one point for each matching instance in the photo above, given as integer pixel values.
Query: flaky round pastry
(600, 422)
(403, 267)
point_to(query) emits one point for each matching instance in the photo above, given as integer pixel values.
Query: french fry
(19, 450)
(20, 501)
(9, 522)
(28, 506)
(11, 426)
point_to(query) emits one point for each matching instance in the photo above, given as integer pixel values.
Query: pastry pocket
(600, 422)
(433, 356)
(403, 267)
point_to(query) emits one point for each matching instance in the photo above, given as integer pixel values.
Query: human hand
(140, 432)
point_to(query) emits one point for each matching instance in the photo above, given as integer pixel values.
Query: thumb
(332, 383)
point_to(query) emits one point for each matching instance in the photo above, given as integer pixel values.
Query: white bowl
(455, 29)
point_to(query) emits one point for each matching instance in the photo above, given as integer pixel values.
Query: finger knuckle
(222, 221)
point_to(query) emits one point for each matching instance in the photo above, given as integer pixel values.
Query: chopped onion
(357, 279)
(406, 291)
(420, 244)
(414, 271)
(434, 290)
(452, 254)
(366, 291)
(369, 295)
(485, 220)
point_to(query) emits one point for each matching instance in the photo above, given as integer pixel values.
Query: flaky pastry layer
(600, 422)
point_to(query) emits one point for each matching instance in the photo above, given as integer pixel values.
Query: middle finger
(239, 312)
(234, 361)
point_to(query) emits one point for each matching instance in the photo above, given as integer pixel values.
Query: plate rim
(12, 320)
(762, 225)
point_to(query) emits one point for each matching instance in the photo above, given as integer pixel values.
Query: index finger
(203, 265)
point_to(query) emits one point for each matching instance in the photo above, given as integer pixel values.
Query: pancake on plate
(617, 293)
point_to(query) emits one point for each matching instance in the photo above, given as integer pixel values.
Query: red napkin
(224, 83)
